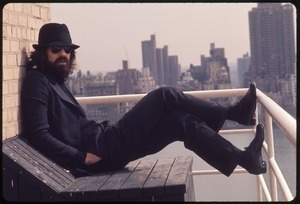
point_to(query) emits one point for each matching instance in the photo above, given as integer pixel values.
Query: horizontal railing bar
(284, 120)
(237, 131)
(90, 100)
(222, 93)
(136, 97)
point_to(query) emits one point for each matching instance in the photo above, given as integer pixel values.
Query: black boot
(251, 158)
(243, 111)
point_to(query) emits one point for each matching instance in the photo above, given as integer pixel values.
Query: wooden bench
(30, 176)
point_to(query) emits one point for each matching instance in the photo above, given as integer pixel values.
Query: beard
(58, 71)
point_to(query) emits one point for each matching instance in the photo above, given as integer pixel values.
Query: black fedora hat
(54, 34)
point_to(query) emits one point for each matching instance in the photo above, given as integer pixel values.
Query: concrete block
(32, 35)
(9, 101)
(14, 32)
(22, 20)
(12, 115)
(5, 87)
(18, 7)
(14, 46)
(31, 22)
(7, 74)
(27, 8)
(28, 37)
(13, 19)
(4, 61)
(44, 13)
(12, 59)
(12, 130)
(19, 33)
(11, 87)
(36, 35)
(9, 115)
(5, 16)
(4, 116)
(24, 33)
(8, 31)
(6, 45)
(16, 72)
(36, 11)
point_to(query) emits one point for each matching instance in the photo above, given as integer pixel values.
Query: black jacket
(52, 119)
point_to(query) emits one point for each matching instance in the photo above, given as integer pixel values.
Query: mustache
(62, 59)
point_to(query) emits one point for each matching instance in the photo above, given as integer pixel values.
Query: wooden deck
(29, 176)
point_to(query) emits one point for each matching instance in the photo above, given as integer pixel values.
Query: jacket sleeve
(35, 104)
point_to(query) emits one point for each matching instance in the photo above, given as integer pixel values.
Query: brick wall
(21, 24)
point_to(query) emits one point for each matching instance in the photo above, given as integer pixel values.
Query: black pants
(163, 116)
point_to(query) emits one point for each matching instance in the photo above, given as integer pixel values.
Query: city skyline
(187, 29)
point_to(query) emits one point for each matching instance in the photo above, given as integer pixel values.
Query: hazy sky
(111, 32)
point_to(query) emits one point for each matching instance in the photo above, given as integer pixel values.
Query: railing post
(271, 154)
(259, 189)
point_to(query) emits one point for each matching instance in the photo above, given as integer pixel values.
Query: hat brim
(37, 46)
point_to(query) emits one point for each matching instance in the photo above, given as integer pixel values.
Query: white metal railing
(273, 113)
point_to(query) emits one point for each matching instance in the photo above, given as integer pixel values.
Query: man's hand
(91, 159)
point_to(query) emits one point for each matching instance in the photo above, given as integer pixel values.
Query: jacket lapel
(61, 93)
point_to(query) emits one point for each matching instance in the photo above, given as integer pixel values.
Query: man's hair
(37, 59)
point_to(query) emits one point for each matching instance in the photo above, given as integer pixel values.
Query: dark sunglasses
(57, 48)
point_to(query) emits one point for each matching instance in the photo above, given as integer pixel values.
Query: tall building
(165, 69)
(174, 69)
(149, 56)
(272, 44)
(243, 64)
(160, 67)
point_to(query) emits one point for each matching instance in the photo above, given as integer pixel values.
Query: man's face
(59, 60)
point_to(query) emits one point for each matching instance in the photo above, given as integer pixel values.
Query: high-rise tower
(272, 44)
(149, 56)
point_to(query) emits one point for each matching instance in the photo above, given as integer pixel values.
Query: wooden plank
(110, 189)
(41, 163)
(85, 188)
(155, 184)
(47, 162)
(23, 164)
(24, 176)
(15, 184)
(132, 188)
(176, 183)
(56, 171)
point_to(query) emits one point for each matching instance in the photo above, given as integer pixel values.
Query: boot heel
(263, 167)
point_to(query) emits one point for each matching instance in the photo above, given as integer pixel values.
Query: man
(56, 125)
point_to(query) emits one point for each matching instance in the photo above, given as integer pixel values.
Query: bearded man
(56, 125)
